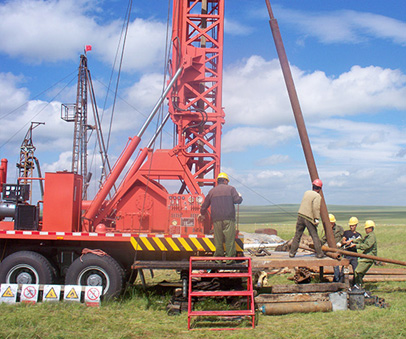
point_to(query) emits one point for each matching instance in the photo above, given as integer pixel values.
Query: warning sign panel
(72, 293)
(29, 294)
(92, 295)
(8, 293)
(51, 292)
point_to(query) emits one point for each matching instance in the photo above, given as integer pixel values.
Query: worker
(349, 236)
(338, 232)
(222, 199)
(308, 217)
(367, 245)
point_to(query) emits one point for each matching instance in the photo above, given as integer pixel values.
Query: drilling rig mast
(28, 161)
(77, 113)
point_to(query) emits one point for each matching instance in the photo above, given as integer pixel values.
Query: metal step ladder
(241, 269)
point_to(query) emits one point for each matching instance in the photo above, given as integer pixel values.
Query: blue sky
(347, 58)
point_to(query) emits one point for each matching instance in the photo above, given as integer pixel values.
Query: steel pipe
(332, 255)
(297, 112)
(366, 256)
(297, 307)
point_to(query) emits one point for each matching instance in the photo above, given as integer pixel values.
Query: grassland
(142, 314)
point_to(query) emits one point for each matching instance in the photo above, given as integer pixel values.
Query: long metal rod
(158, 131)
(366, 256)
(158, 104)
(297, 112)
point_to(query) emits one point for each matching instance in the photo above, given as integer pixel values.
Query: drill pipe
(366, 256)
(332, 255)
(297, 112)
(296, 307)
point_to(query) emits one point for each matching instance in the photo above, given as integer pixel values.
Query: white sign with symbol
(51, 292)
(72, 293)
(8, 293)
(92, 295)
(29, 293)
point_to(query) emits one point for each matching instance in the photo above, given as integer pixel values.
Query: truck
(152, 214)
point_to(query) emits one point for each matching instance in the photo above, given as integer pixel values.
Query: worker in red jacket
(308, 217)
(222, 199)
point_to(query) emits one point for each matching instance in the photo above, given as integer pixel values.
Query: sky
(347, 58)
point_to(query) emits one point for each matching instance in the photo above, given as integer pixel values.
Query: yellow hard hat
(369, 223)
(223, 175)
(332, 218)
(353, 221)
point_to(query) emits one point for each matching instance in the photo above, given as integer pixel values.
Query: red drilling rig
(63, 239)
(142, 224)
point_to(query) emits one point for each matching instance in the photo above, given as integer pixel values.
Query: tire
(93, 270)
(26, 267)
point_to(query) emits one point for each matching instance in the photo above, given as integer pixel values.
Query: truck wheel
(93, 270)
(26, 267)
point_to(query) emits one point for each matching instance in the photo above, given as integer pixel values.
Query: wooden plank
(308, 288)
(281, 259)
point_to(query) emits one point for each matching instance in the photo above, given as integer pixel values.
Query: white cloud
(272, 160)
(64, 162)
(241, 138)
(255, 94)
(236, 27)
(144, 46)
(52, 31)
(54, 135)
(345, 25)
(11, 97)
(349, 142)
(146, 92)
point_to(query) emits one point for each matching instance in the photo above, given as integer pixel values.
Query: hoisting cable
(159, 127)
(119, 70)
(124, 37)
(36, 96)
(263, 197)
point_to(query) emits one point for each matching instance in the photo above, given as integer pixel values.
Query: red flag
(88, 48)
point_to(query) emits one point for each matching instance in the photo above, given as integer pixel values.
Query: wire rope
(263, 197)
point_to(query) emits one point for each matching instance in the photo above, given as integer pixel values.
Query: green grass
(287, 214)
(142, 314)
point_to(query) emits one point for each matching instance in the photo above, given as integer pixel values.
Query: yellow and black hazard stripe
(178, 244)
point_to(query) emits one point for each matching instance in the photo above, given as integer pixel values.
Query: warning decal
(52, 292)
(8, 293)
(72, 293)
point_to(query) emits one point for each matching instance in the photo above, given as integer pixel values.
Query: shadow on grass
(149, 297)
